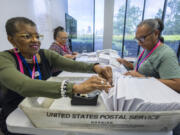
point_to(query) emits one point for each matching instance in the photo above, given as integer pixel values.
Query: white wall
(59, 8)
(47, 14)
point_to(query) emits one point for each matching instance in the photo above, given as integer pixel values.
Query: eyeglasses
(31, 36)
(142, 39)
(64, 38)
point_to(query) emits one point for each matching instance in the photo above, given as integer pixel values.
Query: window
(153, 9)
(99, 24)
(171, 31)
(118, 25)
(125, 29)
(134, 16)
(82, 11)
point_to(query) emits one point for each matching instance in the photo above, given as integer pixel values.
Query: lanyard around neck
(149, 54)
(21, 59)
(63, 47)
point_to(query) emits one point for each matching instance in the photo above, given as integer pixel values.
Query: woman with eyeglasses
(60, 46)
(24, 69)
(157, 59)
(60, 43)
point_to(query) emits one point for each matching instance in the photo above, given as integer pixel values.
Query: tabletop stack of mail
(104, 57)
(140, 94)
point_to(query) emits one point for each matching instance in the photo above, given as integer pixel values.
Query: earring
(17, 49)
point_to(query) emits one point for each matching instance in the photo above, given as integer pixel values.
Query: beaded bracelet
(64, 88)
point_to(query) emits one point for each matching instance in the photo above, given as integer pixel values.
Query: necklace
(29, 60)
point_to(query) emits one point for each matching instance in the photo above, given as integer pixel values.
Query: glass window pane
(99, 24)
(134, 17)
(154, 9)
(171, 31)
(118, 25)
(82, 11)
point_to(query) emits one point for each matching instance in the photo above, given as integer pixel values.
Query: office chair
(70, 43)
(178, 53)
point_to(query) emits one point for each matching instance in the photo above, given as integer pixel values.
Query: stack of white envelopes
(140, 94)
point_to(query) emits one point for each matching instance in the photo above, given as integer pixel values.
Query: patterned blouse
(61, 50)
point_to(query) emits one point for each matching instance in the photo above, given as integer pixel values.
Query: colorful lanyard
(20, 58)
(154, 48)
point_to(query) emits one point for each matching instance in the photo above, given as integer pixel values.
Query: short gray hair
(11, 24)
(154, 24)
